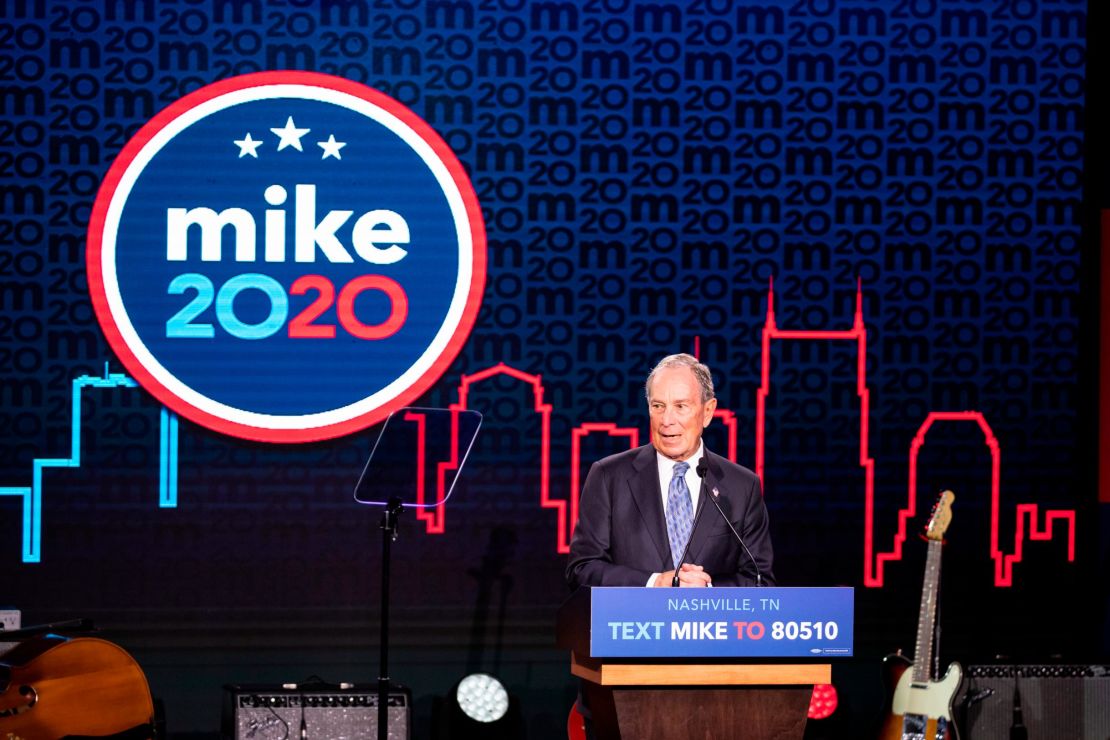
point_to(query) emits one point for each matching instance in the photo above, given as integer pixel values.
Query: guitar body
(55, 686)
(920, 711)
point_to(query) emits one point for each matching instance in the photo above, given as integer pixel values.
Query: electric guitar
(53, 686)
(921, 707)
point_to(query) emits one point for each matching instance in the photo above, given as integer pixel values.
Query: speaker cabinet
(1063, 702)
(268, 712)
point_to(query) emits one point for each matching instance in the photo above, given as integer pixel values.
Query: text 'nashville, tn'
(721, 605)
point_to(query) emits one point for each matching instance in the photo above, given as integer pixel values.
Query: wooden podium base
(747, 713)
(637, 701)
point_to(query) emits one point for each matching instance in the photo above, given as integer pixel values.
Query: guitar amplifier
(1063, 702)
(269, 712)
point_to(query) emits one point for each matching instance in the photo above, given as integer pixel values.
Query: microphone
(703, 466)
(715, 495)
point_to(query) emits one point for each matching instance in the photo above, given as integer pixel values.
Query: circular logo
(286, 256)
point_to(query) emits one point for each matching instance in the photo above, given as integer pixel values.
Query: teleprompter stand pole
(389, 534)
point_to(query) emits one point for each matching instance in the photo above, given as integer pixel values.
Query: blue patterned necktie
(680, 512)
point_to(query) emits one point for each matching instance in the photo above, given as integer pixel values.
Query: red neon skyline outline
(873, 562)
(873, 576)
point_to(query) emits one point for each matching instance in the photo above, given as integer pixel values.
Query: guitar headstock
(941, 516)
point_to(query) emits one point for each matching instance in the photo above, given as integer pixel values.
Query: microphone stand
(389, 534)
(758, 575)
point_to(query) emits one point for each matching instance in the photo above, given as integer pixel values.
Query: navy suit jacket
(621, 535)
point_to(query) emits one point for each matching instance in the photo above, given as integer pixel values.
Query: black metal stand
(389, 534)
(392, 476)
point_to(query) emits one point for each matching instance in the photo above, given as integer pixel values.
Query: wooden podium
(648, 698)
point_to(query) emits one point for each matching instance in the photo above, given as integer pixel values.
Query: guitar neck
(927, 617)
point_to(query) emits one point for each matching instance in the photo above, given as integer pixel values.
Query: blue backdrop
(908, 173)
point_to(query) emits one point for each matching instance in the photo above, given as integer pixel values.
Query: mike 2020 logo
(286, 256)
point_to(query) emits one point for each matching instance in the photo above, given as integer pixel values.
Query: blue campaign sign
(721, 622)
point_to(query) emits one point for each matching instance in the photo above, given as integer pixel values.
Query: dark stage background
(645, 170)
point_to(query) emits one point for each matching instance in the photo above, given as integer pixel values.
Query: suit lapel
(644, 485)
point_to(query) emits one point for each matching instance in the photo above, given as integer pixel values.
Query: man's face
(678, 415)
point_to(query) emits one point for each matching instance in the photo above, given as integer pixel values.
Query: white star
(331, 147)
(290, 135)
(247, 145)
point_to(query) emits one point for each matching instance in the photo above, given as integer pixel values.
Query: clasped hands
(689, 576)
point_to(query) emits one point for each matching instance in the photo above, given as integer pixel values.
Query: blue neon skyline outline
(32, 496)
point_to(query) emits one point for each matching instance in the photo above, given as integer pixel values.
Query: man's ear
(710, 407)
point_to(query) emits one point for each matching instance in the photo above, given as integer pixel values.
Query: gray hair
(701, 372)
